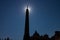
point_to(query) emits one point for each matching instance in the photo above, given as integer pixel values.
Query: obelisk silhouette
(26, 31)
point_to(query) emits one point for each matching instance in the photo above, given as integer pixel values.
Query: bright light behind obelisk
(28, 9)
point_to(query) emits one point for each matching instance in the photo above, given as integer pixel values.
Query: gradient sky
(44, 17)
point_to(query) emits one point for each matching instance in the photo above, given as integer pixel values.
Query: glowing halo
(28, 9)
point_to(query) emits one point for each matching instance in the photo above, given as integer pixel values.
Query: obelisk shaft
(26, 33)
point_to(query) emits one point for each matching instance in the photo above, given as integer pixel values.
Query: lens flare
(28, 9)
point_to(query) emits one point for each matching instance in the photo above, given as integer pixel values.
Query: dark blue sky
(44, 17)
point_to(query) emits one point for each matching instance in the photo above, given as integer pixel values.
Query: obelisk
(26, 31)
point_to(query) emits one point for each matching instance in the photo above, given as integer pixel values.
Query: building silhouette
(36, 35)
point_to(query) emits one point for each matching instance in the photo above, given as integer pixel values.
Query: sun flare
(28, 9)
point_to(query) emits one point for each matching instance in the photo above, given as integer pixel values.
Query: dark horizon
(44, 17)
